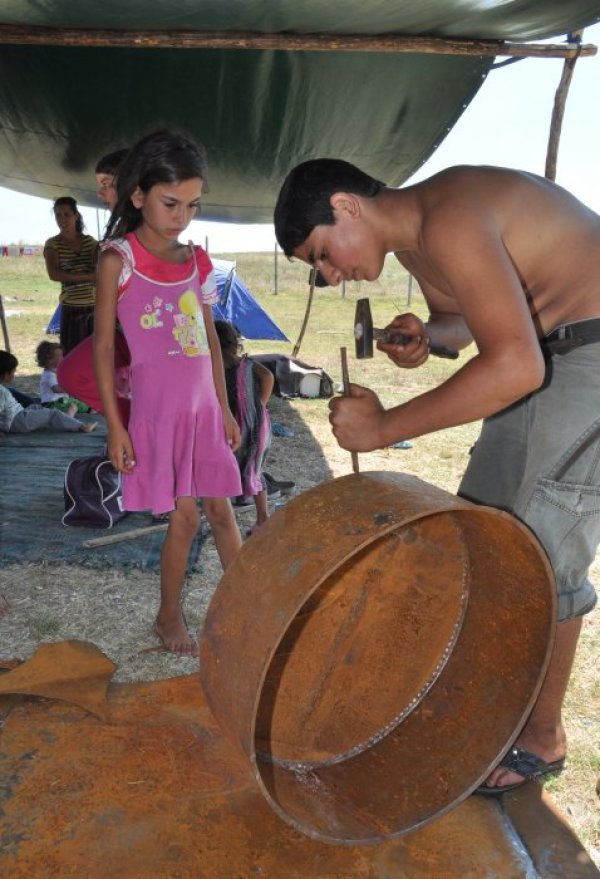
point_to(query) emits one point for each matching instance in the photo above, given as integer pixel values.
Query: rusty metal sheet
(155, 790)
(75, 671)
(374, 650)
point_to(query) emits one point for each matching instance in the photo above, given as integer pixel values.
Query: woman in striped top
(71, 259)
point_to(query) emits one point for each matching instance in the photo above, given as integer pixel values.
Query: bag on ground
(93, 493)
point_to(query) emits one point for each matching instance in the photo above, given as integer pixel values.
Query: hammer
(365, 332)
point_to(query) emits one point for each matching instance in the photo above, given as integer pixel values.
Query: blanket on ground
(32, 468)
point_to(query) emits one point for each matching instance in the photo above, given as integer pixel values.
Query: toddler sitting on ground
(48, 356)
(14, 418)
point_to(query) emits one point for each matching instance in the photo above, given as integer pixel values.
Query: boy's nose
(332, 275)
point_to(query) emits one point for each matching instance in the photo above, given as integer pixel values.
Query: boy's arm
(482, 287)
(52, 381)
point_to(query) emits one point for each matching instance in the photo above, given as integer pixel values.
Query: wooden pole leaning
(311, 291)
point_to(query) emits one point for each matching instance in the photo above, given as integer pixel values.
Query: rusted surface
(373, 651)
(298, 720)
(75, 671)
(546, 836)
(156, 791)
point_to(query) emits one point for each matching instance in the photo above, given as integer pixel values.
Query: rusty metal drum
(373, 651)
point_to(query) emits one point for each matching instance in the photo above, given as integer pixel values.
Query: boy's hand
(120, 450)
(415, 352)
(357, 420)
(232, 430)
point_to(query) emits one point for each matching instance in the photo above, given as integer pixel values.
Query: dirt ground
(115, 608)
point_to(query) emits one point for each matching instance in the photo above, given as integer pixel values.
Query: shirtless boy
(511, 262)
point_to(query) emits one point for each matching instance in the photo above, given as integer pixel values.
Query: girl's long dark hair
(160, 157)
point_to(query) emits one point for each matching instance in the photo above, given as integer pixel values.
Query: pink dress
(176, 424)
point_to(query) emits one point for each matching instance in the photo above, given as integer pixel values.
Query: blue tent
(236, 305)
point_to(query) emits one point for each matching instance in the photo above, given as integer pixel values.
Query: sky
(506, 124)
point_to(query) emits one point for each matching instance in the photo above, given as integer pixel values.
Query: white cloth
(47, 382)
(8, 408)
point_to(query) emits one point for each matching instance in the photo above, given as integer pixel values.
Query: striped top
(75, 262)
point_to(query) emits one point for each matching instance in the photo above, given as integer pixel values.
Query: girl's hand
(232, 430)
(120, 449)
(357, 420)
(415, 352)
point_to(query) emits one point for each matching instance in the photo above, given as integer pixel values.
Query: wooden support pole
(4, 326)
(558, 112)
(313, 278)
(196, 39)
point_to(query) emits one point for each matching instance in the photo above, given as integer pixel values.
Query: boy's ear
(345, 204)
(137, 198)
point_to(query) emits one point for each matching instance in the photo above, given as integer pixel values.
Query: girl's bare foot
(88, 428)
(173, 633)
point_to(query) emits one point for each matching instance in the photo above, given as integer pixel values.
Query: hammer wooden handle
(393, 338)
(346, 386)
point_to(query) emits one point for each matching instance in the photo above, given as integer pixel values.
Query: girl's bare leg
(170, 624)
(262, 507)
(226, 533)
(262, 511)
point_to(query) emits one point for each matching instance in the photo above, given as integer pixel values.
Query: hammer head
(363, 329)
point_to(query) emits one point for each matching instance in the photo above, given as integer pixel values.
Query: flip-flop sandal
(524, 763)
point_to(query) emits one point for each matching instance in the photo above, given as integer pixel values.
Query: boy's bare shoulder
(472, 199)
(462, 199)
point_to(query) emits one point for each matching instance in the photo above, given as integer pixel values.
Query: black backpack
(93, 494)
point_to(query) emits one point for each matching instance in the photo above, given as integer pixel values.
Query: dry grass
(116, 609)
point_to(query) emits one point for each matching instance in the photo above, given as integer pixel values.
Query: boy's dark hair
(160, 157)
(8, 362)
(44, 352)
(305, 198)
(70, 203)
(109, 164)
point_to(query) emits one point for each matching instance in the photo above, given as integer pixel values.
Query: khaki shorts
(540, 460)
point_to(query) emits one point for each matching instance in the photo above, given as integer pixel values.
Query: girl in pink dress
(181, 435)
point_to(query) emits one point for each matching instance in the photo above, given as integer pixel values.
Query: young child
(106, 177)
(181, 436)
(48, 355)
(249, 386)
(14, 418)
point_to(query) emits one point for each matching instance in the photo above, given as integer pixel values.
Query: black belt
(569, 336)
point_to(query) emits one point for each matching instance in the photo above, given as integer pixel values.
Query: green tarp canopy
(257, 111)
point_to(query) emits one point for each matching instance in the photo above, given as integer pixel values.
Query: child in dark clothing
(249, 386)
